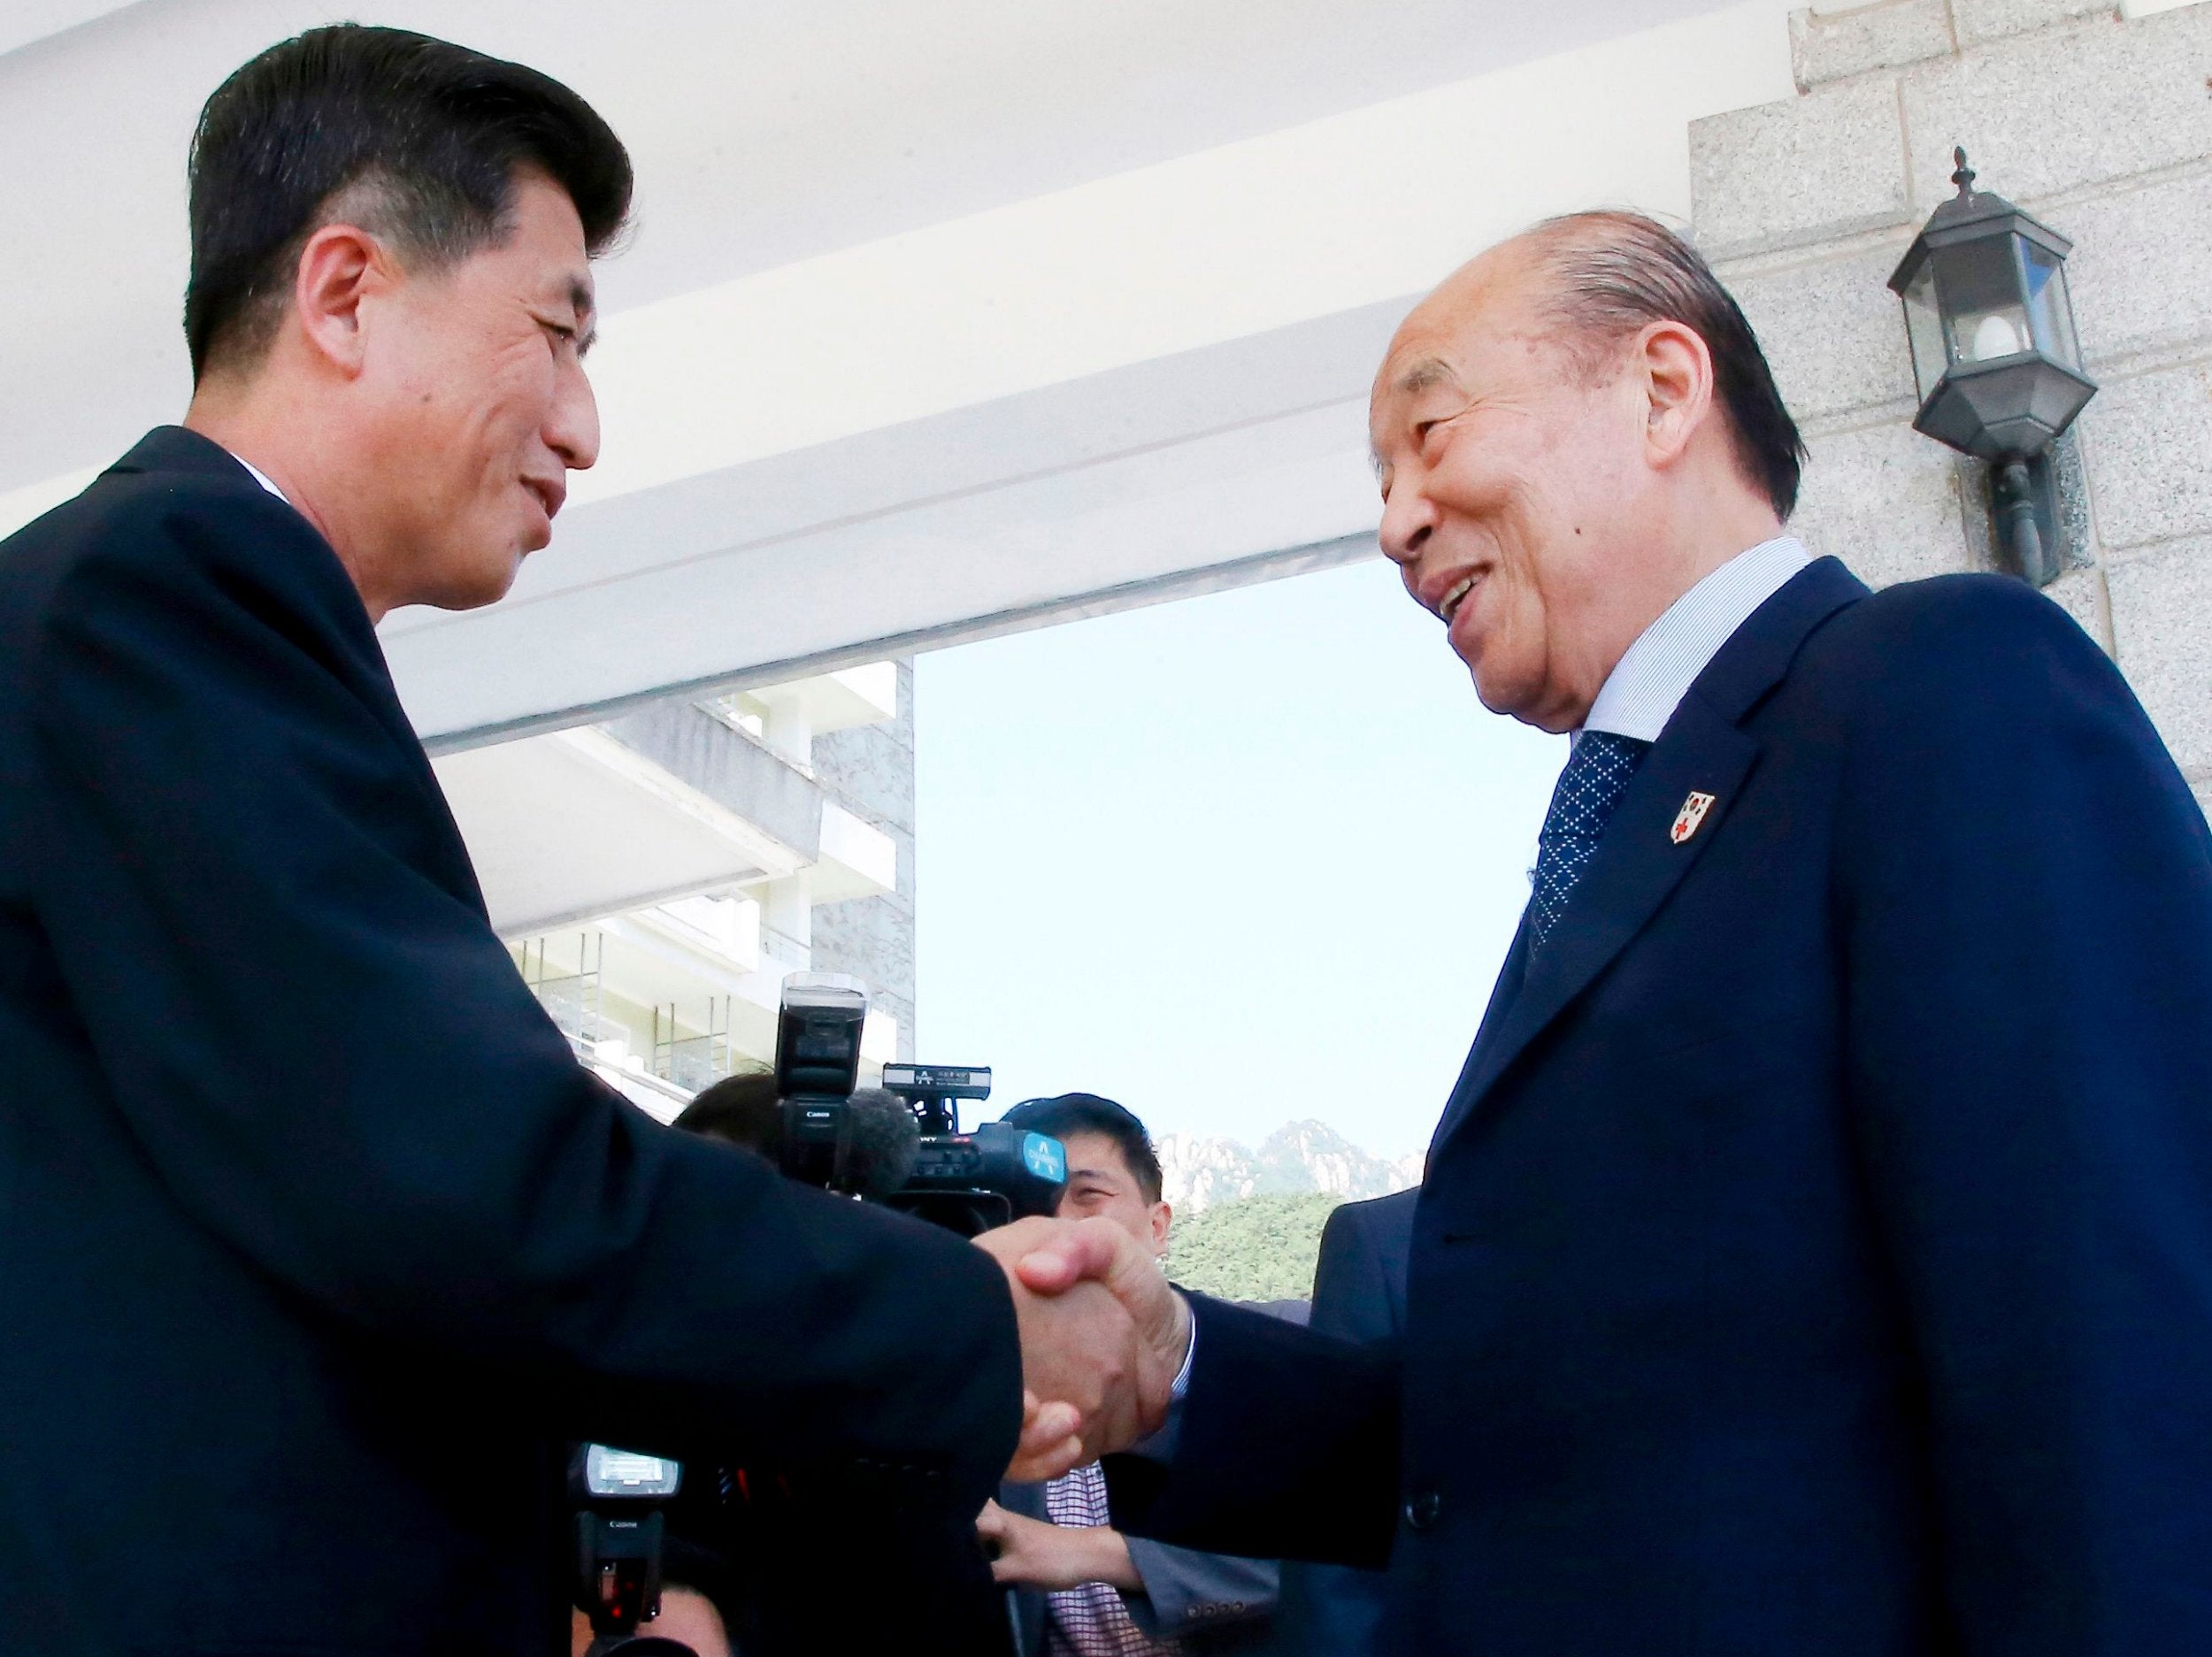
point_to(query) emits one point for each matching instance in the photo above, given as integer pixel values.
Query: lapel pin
(1690, 816)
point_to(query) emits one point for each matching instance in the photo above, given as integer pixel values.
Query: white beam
(572, 824)
(1303, 223)
(27, 22)
(987, 422)
(1092, 387)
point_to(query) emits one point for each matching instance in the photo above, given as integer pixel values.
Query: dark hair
(432, 133)
(1087, 1112)
(741, 1108)
(1614, 272)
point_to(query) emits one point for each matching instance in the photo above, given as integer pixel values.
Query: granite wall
(2101, 125)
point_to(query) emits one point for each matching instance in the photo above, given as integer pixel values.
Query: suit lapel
(321, 593)
(1640, 862)
(1636, 865)
(1504, 994)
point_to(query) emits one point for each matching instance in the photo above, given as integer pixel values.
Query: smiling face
(1100, 1182)
(481, 409)
(1510, 482)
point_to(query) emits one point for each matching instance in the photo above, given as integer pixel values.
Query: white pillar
(789, 730)
(789, 911)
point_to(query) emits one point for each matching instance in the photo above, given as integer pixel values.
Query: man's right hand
(1101, 1330)
(1078, 1351)
(1097, 1250)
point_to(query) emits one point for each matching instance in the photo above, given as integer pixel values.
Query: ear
(1163, 1215)
(341, 266)
(1675, 371)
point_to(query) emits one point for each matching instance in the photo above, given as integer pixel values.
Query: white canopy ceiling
(939, 318)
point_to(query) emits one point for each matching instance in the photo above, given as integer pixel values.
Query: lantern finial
(1964, 177)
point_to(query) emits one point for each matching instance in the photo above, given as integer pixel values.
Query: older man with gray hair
(1815, 1253)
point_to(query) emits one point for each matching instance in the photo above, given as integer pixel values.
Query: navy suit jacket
(1359, 1293)
(315, 1243)
(1815, 1255)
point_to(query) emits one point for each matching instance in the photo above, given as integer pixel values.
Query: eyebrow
(579, 298)
(1075, 1174)
(1422, 374)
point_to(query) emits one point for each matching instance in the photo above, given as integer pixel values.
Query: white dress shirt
(261, 478)
(1647, 684)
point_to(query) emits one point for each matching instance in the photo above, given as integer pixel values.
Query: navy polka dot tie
(1589, 791)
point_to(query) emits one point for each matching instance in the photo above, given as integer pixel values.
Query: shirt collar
(1649, 681)
(262, 478)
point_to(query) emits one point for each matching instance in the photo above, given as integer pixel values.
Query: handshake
(1103, 1336)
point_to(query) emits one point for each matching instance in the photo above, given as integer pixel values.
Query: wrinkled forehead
(1479, 309)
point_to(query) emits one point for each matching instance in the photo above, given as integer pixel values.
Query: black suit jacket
(315, 1242)
(1816, 1255)
(1359, 1293)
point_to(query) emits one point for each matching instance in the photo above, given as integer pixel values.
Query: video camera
(969, 1183)
(906, 1152)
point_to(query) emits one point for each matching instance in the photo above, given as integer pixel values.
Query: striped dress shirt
(1649, 681)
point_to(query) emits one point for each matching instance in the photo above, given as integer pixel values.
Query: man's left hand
(1031, 1554)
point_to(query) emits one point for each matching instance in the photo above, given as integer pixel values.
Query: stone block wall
(868, 770)
(2101, 125)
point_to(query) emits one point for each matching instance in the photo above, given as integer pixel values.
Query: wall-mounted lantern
(1994, 350)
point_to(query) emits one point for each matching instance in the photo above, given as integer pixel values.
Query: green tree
(1256, 1248)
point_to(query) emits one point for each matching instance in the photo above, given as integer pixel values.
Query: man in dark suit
(316, 1244)
(1359, 1293)
(1077, 1584)
(1815, 1253)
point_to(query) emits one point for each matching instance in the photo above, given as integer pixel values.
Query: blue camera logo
(1045, 1158)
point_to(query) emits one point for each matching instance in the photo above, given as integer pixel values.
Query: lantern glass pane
(2050, 313)
(1979, 282)
(1924, 326)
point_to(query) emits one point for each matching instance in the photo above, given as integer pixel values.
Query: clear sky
(1235, 861)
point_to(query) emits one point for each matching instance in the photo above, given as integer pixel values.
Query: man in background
(1359, 1293)
(1080, 1586)
(701, 1606)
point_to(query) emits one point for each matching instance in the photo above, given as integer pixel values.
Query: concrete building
(659, 875)
(948, 320)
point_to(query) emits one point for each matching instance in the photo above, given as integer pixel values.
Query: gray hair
(1612, 273)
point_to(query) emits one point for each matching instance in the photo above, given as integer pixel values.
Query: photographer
(701, 1606)
(804, 1547)
(316, 1245)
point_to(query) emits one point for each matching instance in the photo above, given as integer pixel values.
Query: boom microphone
(881, 1138)
(885, 1139)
